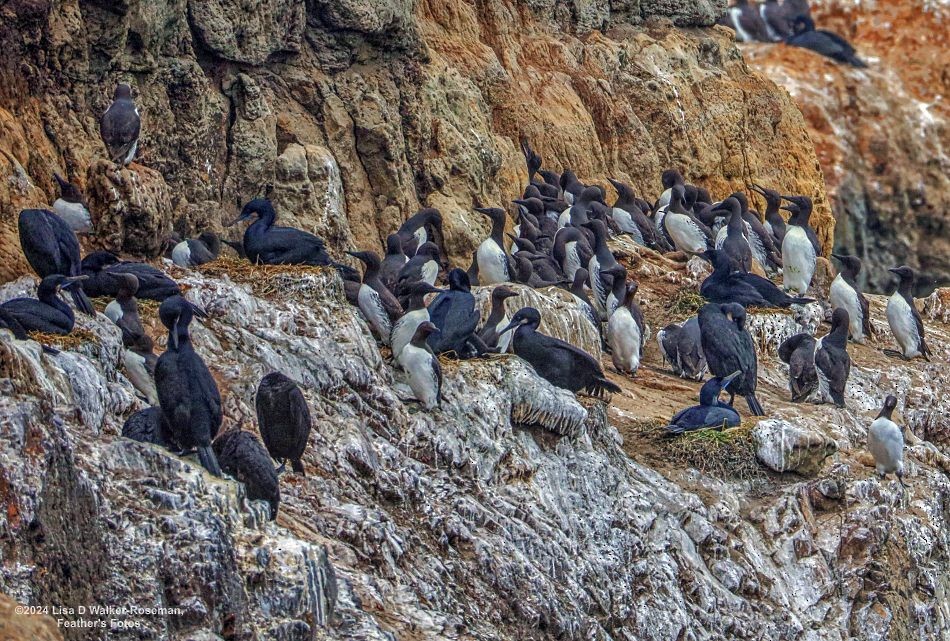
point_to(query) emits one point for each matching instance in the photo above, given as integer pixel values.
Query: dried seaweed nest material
(684, 304)
(73, 340)
(727, 454)
(298, 282)
(147, 307)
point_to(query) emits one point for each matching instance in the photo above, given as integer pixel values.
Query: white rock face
(784, 447)
(511, 513)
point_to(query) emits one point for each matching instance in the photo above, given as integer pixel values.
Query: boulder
(783, 447)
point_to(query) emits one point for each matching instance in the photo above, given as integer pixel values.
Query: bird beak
(787, 209)
(243, 216)
(615, 183)
(757, 189)
(893, 270)
(198, 311)
(523, 203)
(513, 324)
(72, 281)
(730, 378)
(838, 256)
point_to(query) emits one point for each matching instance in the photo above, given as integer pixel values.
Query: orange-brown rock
(17, 626)
(416, 104)
(881, 133)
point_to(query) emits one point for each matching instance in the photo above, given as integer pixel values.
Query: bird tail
(854, 61)
(601, 387)
(297, 466)
(208, 460)
(673, 430)
(754, 405)
(82, 302)
(801, 300)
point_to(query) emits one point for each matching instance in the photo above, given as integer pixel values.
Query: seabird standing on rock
(728, 347)
(119, 126)
(826, 43)
(775, 21)
(270, 244)
(819, 369)
(751, 290)
(625, 333)
(72, 207)
(454, 314)
(904, 319)
(492, 260)
(682, 227)
(497, 320)
(283, 418)
(886, 442)
(102, 266)
(242, 456)
(420, 229)
(669, 179)
(571, 251)
(422, 365)
(845, 293)
(800, 248)
(197, 251)
(554, 360)
(582, 300)
(628, 216)
(618, 289)
(774, 223)
(711, 412)
(51, 247)
(601, 261)
(393, 262)
(416, 314)
(139, 360)
(187, 393)
(734, 243)
(681, 346)
(377, 303)
(47, 312)
(138, 356)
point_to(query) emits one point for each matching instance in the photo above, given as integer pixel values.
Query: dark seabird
(682, 227)
(197, 251)
(147, 426)
(497, 320)
(681, 346)
(423, 227)
(571, 186)
(826, 43)
(119, 126)
(793, 9)
(270, 244)
(124, 310)
(243, 457)
(711, 412)
(571, 251)
(669, 178)
(393, 262)
(51, 247)
(378, 304)
(747, 22)
(819, 369)
(423, 266)
(904, 319)
(760, 240)
(728, 347)
(601, 261)
(750, 290)
(455, 316)
(189, 397)
(9, 322)
(734, 244)
(774, 223)
(626, 333)
(472, 271)
(416, 313)
(630, 218)
(800, 248)
(492, 258)
(531, 158)
(72, 207)
(101, 266)
(886, 442)
(422, 366)
(47, 312)
(846, 294)
(582, 300)
(554, 360)
(775, 20)
(617, 277)
(283, 419)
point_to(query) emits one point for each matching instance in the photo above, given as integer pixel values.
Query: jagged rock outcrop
(881, 133)
(416, 103)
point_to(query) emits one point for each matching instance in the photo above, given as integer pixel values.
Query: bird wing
(921, 344)
(865, 315)
(825, 360)
(288, 246)
(790, 345)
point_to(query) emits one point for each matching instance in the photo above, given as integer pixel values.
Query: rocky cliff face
(352, 115)
(881, 133)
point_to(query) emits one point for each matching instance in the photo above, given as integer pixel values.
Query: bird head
(525, 316)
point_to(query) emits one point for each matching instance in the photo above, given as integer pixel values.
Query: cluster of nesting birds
(561, 231)
(790, 22)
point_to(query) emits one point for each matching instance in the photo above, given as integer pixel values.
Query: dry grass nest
(269, 281)
(726, 454)
(65, 342)
(684, 304)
